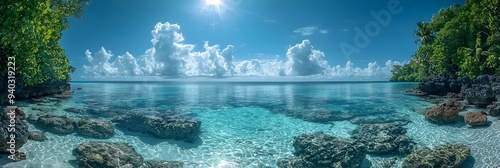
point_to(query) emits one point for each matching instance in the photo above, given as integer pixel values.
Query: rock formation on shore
(12, 125)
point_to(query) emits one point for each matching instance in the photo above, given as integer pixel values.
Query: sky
(316, 39)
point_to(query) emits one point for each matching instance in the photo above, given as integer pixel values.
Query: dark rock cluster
(494, 109)
(322, 150)
(162, 125)
(383, 138)
(11, 123)
(483, 90)
(441, 85)
(452, 155)
(22, 92)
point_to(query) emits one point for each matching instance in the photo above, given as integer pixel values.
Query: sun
(213, 2)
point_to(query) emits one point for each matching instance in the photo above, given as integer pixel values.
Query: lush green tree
(30, 31)
(458, 41)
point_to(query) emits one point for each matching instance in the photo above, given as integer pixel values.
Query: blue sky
(266, 37)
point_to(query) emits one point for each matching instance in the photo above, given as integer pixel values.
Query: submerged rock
(162, 164)
(56, 124)
(106, 155)
(315, 115)
(475, 119)
(444, 113)
(383, 138)
(389, 162)
(64, 94)
(322, 150)
(10, 125)
(443, 156)
(37, 136)
(18, 156)
(166, 126)
(294, 162)
(19, 112)
(75, 110)
(398, 119)
(95, 128)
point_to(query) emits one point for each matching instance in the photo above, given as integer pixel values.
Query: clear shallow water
(240, 126)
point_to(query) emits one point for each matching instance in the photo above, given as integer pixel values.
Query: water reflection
(349, 97)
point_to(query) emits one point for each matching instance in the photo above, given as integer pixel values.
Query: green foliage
(30, 31)
(458, 41)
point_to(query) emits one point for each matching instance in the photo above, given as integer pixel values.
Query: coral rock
(444, 113)
(475, 119)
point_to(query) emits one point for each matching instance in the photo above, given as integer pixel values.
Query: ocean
(250, 124)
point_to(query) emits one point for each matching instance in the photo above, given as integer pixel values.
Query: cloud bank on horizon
(170, 56)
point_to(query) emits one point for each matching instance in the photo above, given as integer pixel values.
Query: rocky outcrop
(12, 125)
(106, 155)
(95, 128)
(441, 85)
(494, 109)
(162, 164)
(162, 125)
(37, 136)
(443, 156)
(383, 139)
(322, 150)
(481, 95)
(23, 92)
(56, 124)
(483, 90)
(476, 119)
(444, 113)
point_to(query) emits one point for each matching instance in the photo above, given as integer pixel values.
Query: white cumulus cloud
(170, 56)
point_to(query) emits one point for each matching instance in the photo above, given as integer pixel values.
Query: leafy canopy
(458, 41)
(30, 31)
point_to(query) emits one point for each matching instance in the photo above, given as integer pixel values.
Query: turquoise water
(241, 122)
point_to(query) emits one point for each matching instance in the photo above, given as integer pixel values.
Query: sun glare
(213, 2)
